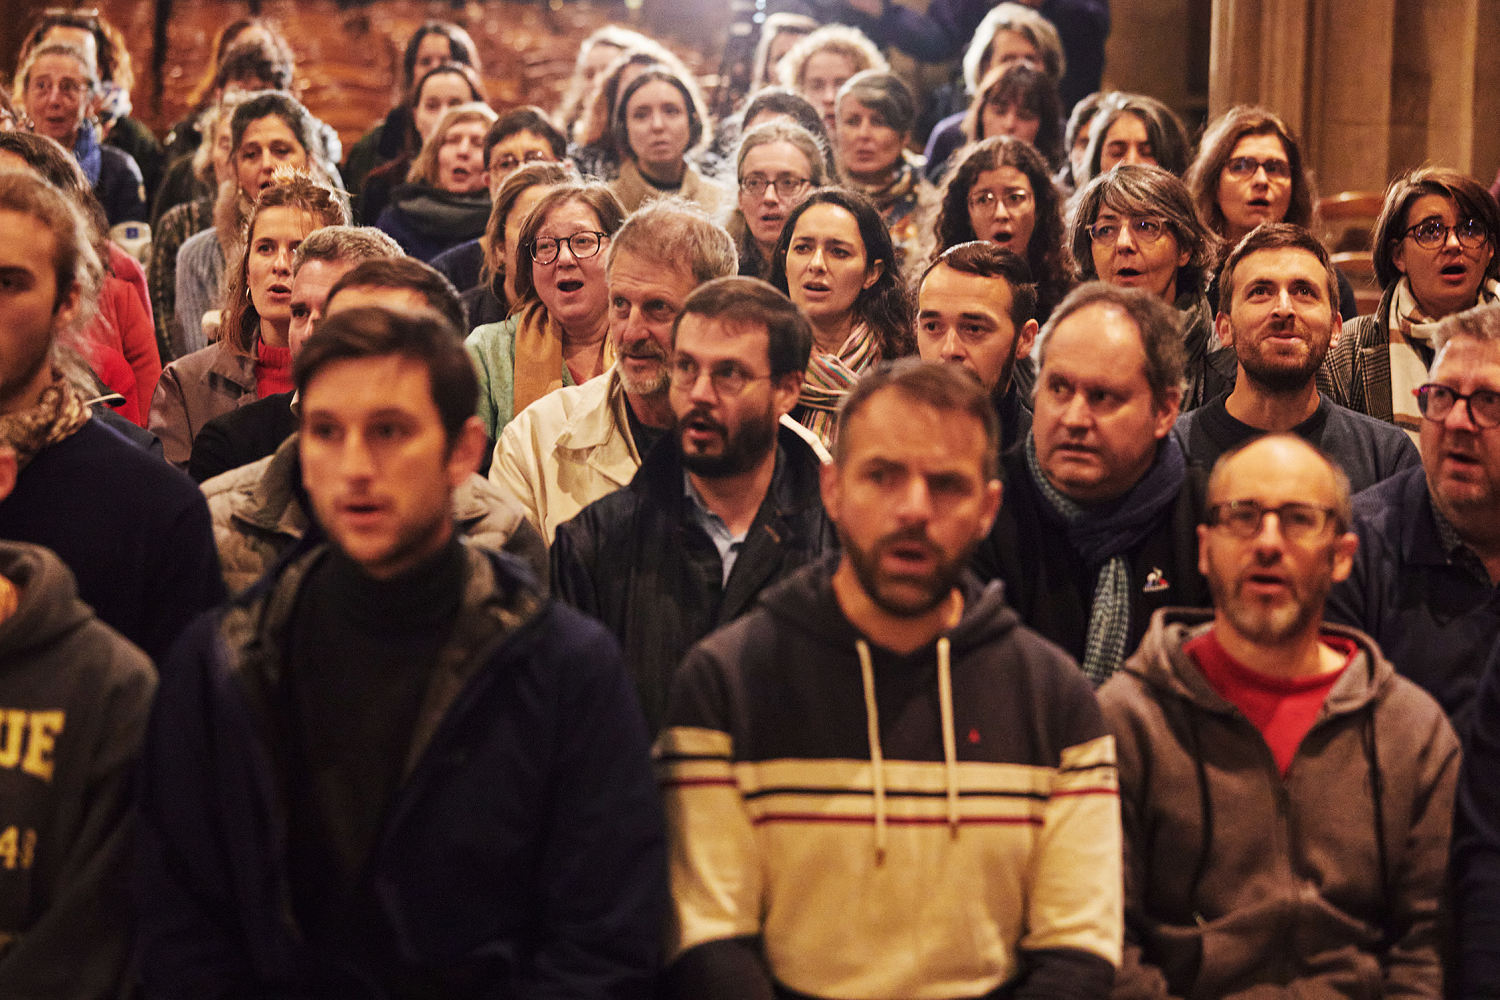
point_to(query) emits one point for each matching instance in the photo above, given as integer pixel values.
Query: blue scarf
(1102, 535)
(86, 152)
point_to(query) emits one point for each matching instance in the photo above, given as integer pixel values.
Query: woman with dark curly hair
(836, 261)
(1136, 227)
(1001, 192)
(1018, 101)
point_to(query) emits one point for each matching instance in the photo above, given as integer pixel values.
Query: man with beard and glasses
(1277, 297)
(724, 507)
(977, 307)
(879, 783)
(579, 443)
(1286, 795)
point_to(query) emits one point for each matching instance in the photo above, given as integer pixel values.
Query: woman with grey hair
(1137, 227)
(58, 84)
(876, 112)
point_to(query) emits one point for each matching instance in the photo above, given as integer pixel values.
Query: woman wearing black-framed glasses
(557, 331)
(1434, 256)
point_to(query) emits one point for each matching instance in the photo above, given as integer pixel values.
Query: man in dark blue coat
(393, 768)
(1426, 579)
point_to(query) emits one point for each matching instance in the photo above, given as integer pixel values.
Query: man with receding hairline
(1282, 787)
(1097, 527)
(1426, 581)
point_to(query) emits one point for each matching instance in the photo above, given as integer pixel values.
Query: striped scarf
(830, 377)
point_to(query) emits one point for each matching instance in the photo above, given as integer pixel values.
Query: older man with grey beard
(580, 443)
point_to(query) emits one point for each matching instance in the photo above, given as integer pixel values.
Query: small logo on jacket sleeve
(1156, 581)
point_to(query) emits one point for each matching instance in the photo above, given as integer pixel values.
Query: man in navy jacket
(394, 768)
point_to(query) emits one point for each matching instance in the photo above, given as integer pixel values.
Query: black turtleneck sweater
(360, 653)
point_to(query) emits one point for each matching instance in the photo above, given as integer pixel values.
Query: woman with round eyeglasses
(1136, 227)
(1000, 192)
(1435, 255)
(491, 299)
(778, 163)
(836, 262)
(57, 85)
(1249, 171)
(557, 332)
(446, 198)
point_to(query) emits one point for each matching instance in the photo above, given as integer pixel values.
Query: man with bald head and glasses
(1281, 786)
(1426, 581)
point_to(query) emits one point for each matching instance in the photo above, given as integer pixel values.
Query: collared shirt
(726, 541)
(1459, 552)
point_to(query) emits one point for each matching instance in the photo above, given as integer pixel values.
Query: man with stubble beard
(1278, 298)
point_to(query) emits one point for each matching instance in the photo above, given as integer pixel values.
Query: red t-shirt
(1282, 709)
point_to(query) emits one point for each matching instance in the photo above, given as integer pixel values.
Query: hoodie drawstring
(872, 734)
(950, 751)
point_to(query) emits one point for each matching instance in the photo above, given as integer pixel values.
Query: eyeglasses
(584, 245)
(1241, 167)
(728, 379)
(1431, 233)
(69, 87)
(1436, 401)
(986, 200)
(784, 187)
(1145, 229)
(510, 161)
(1298, 522)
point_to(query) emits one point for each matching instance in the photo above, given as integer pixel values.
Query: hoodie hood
(49, 606)
(806, 602)
(1164, 667)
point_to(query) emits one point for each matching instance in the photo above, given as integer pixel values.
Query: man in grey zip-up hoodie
(1286, 797)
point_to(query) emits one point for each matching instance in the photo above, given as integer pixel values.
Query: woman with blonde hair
(822, 62)
(446, 199)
